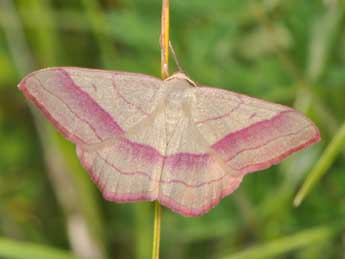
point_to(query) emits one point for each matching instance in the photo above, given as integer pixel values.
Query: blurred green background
(290, 52)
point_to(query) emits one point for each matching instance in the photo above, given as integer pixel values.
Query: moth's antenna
(175, 57)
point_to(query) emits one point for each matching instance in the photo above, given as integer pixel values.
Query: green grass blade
(321, 167)
(14, 37)
(12, 249)
(324, 31)
(285, 244)
(44, 38)
(86, 207)
(98, 24)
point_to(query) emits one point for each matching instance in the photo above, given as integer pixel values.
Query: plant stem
(156, 231)
(164, 42)
(165, 39)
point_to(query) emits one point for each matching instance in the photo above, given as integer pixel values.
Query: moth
(143, 139)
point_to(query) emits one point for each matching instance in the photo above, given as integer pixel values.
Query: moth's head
(181, 76)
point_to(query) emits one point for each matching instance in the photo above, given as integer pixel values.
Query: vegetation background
(290, 52)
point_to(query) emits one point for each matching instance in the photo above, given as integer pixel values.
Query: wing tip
(26, 91)
(22, 85)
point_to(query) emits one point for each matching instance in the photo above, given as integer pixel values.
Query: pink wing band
(261, 134)
(152, 155)
(149, 175)
(163, 199)
(95, 116)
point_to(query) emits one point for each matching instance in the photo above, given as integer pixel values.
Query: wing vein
(69, 108)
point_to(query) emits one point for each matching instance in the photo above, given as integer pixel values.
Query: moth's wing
(194, 178)
(89, 105)
(123, 170)
(250, 134)
(95, 109)
(225, 136)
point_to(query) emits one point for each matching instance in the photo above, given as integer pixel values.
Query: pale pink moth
(144, 139)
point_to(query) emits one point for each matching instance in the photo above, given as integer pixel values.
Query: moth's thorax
(181, 76)
(178, 96)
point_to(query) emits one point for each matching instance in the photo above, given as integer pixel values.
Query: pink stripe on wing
(91, 109)
(278, 158)
(182, 161)
(164, 200)
(139, 151)
(252, 134)
(98, 119)
(260, 134)
(257, 134)
(150, 154)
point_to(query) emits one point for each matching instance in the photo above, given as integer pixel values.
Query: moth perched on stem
(143, 138)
